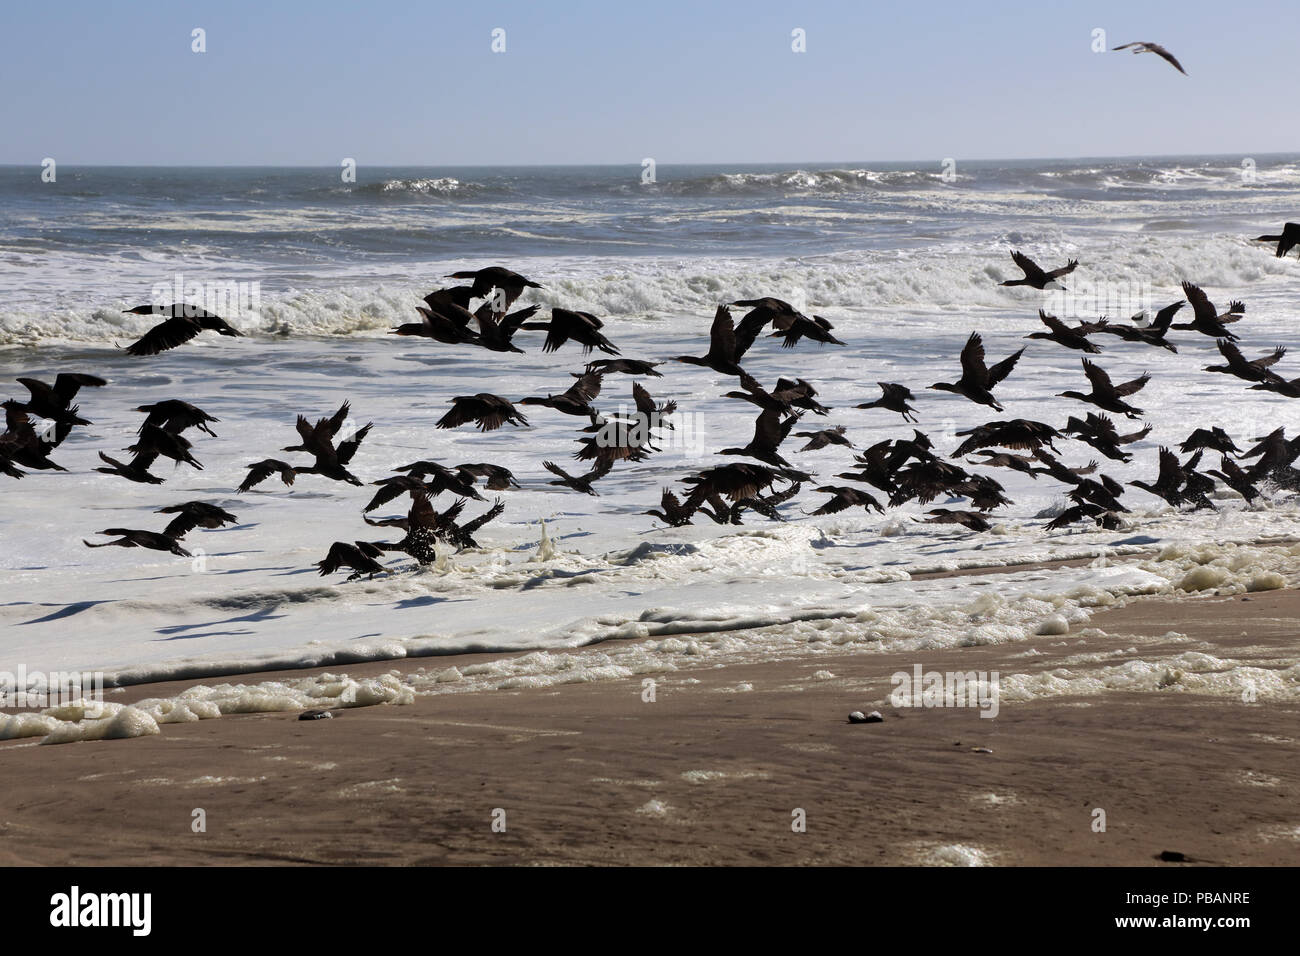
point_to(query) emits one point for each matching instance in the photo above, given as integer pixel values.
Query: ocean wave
(1107, 177)
(793, 182)
(947, 277)
(1215, 177)
(443, 187)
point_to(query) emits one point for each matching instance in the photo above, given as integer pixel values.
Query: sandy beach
(713, 771)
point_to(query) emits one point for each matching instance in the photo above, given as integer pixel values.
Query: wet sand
(707, 773)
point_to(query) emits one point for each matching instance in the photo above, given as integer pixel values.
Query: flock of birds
(900, 470)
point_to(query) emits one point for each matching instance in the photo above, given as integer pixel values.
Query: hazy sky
(405, 82)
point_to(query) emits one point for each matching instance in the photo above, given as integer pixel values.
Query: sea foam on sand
(1003, 608)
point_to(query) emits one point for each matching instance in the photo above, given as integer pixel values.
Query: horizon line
(637, 163)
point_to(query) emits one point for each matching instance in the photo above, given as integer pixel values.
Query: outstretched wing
(164, 336)
(1266, 360)
(262, 470)
(1097, 377)
(510, 324)
(349, 448)
(1052, 322)
(768, 430)
(600, 469)
(463, 409)
(1169, 57)
(562, 325)
(1171, 472)
(1231, 352)
(895, 392)
(181, 525)
(1129, 388)
(66, 384)
(722, 337)
(1029, 266)
(972, 359)
(645, 404)
(257, 474)
(1165, 316)
(1065, 270)
(1000, 371)
(1201, 304)
(335, 422)
(586, 388)
(495, 412)
(393, 488)
(305, 430)
(1236, 310)
(471, 526)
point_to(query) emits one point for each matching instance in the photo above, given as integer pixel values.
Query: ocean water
(904, 263)
(332, 257)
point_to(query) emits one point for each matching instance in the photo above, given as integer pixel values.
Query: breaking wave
(942, 279)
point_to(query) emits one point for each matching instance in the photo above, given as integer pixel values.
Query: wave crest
(443, 187)
(944, 278)
(795, 182)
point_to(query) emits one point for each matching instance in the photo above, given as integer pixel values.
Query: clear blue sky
(412, 82)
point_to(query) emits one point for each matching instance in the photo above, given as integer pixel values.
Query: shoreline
(207, 671)
(709, 772)
(130, 693)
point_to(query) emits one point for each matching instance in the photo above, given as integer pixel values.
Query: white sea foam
(949, 854)
(843, 286)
